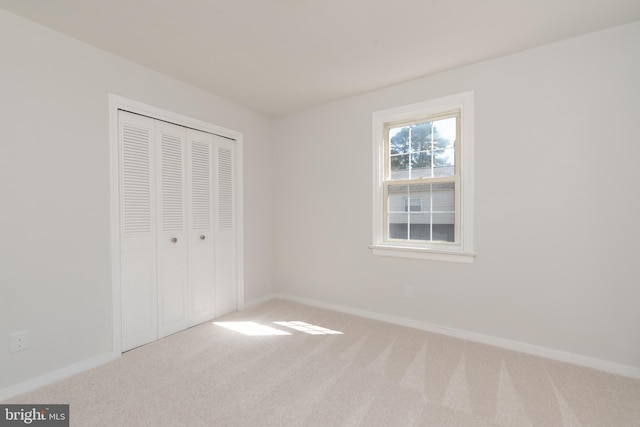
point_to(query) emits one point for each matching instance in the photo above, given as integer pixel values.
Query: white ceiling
(279, 56)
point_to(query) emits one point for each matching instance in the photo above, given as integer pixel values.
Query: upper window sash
(441, 142)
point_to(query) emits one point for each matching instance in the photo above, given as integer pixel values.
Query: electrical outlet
(18, 341)
(409, 292)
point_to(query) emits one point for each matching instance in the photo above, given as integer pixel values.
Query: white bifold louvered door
(172, 245)
(137, 230)
(177, 238)
(201, 231)
(225, 227)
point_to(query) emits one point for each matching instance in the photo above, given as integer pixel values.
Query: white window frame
(462, 249)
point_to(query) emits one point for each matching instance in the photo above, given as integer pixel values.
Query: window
(423, 189)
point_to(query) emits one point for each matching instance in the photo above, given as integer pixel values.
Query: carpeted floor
(370, 374)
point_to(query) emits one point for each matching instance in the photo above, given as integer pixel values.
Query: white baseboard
(59, 374)
(562, 356)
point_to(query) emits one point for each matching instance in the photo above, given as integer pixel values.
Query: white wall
(557, 203)
(54, 191)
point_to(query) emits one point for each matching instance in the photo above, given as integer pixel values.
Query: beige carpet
(371, 374)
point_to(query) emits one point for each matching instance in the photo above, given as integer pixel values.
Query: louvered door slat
(200, 186)
(225, 188)
(172, 183)
(136, 179)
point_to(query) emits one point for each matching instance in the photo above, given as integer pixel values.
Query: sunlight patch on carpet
(308, 328)
(251, 328)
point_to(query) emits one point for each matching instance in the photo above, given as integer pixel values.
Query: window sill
(423, 253)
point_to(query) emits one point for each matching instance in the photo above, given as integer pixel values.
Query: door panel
(201, 235)
(225, 250)
(137, 230)
(139, 313)
(171, 236)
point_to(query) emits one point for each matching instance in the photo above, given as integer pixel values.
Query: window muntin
(421, 159)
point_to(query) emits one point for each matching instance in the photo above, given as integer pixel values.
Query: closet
(177, 239)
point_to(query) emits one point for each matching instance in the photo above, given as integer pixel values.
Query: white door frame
(119, 103)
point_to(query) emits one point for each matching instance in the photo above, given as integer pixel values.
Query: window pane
(400, 166)
(443, 199)
(421, 135)
(421, 165)
(398, 225)
(444, 162)
(443, 212)
(397, 194)
(399, 140)
(446, 132)
(443, 227)
(398, 216)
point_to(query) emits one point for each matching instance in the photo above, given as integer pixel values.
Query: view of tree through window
(423, 150)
